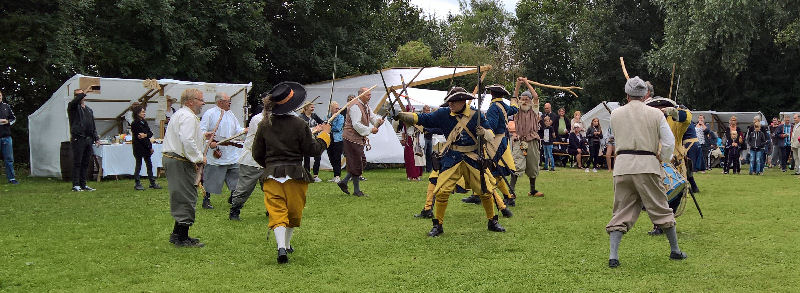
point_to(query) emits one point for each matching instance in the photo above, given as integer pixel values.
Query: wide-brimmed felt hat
(456, 95)
(498, 89)
(287, 96)
(661, 102)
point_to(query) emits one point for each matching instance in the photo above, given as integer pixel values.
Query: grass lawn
(115, 239)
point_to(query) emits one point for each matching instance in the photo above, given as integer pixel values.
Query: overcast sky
(441, 7)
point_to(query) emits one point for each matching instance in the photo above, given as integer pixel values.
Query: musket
(333, 80)
(481, 159)
(453, 77)
(405, 86)
(388, 95)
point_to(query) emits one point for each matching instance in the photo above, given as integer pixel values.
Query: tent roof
(342, 87)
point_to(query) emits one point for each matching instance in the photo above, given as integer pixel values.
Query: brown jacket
(281, 146)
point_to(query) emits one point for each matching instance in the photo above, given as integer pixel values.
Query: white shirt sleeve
(188, 134)
(355, 116)
(667, 140)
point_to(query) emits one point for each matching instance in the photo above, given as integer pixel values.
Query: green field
(115, 239)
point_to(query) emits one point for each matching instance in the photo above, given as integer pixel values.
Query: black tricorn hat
(287, 96)
(457, 94)
(498, 89)
(660, 102)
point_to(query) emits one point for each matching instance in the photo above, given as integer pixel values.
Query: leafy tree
(413, 53)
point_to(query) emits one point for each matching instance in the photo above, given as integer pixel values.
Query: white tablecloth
(117, 159)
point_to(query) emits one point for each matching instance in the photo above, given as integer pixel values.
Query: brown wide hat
(287, 96)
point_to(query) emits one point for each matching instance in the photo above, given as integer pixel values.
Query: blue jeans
(756, 161)
(8, 156)
(548, 157)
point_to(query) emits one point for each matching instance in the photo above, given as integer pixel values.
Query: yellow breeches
(508, 157)
(448, 179)
(501, 184)
(285, 202)
(429, 196)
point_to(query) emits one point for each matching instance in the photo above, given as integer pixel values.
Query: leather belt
(636, 152)
(464, 148)
(175, 156)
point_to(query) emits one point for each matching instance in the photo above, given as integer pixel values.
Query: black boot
(512, 202)
(153, 184)
(230, 197)
(472, 199)
(437, 229)
(656, 231)
(234, 213)
(207, 201)
(427, 214)
(138, 185)
(184, 240)
(176, 234)
(506, 213)
(282, 256)
(495, 226)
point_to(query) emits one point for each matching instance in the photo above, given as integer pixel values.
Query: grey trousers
(633, 191)
(182, 191)
(526, 163)
(216, 175)
(249, 176)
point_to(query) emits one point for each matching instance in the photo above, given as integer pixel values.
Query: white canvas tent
(790, 114)
(386, 147)
(603, 114)
(49, 125)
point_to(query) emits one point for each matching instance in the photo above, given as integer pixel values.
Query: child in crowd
(548, 135)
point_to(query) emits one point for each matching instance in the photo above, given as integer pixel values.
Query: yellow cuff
(416, 118)
(325, 137)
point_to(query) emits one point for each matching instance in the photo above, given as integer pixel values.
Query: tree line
(729, 55)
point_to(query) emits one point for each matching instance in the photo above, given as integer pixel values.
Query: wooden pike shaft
(350, 103)
(671, 79)
(624, 70)
(563, 88)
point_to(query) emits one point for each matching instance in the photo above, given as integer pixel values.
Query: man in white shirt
(638, 131)
(356, 129)
(222, 166)
(250, 171)
(183, 152)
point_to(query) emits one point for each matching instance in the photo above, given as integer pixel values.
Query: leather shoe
(282, 257)
(138, 186)
(427, 214)
(506, 213)
(359, 193)
(613, 263)
(189, 242)
(493, 225)
(677, 255)
(655, 232)
(290, 249)
(472, 199)
(511, 201)
(343, 186)
(436, 230)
